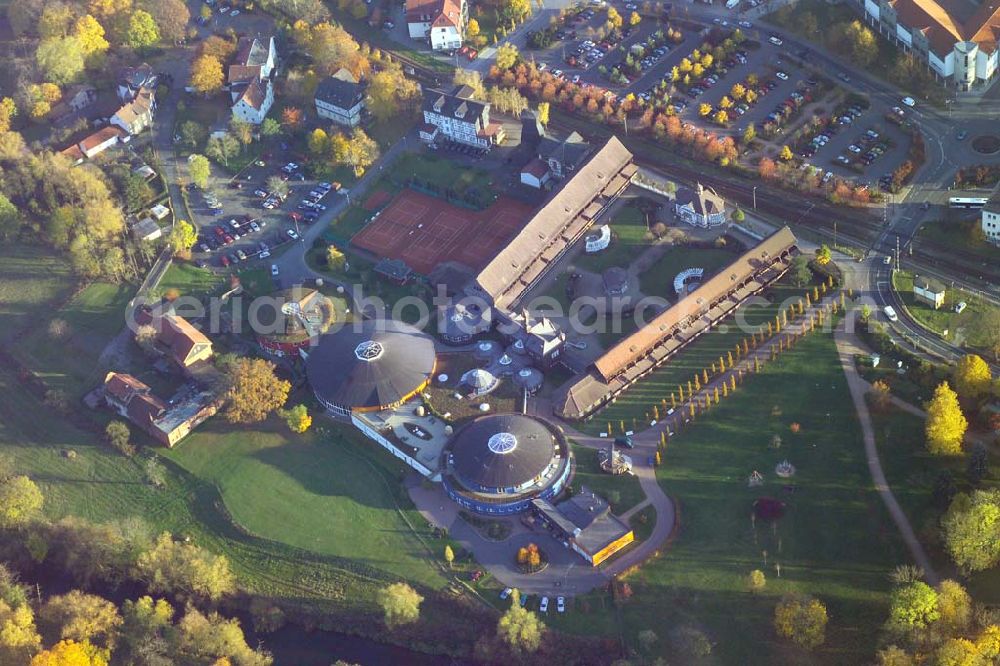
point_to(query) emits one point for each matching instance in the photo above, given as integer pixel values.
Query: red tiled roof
(536, 168)
(176, 333)
(99, 137)
(946, 22)
(255, 94)
(123, 387)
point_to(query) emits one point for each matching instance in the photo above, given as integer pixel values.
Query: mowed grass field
(328, 494)
(835, 541)
(658, 280)
(632, 406)
(30, 277)
(589, 473)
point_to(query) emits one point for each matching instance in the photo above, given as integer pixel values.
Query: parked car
(241, 254)
(543, 607)
(781, 75)
(291, 234)
(274, 270)
(959, 307)
(506, 593)
(561, 604)
(890, 313)
(774, 39)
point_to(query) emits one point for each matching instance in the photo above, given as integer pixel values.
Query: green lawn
(964, 327)
(835, 540)
(327, 494)
(588, 473)
(659, 279)
(633, 405)
(630, 238)
(93, 317)
(442, 174)
(343, 228)
(959, 232)
(30, 278)
(190, 280)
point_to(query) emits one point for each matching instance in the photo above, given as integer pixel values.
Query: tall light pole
(755, 197)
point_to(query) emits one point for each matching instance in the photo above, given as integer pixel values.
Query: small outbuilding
(928, 291)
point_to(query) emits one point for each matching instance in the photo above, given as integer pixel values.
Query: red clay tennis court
(424, 231)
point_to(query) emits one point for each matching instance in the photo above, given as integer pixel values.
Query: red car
(227, 239)
(473, 54)
(224, 260)
(219, 231)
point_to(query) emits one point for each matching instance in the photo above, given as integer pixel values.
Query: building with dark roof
(585, 522)
(456, 116)
(498, 464)
(929, 291)
(564, 156)
(340, 98)
(700, 207)
(615, 279)
(459, 323)
(370, 366)
(396, 270)
(133, 79)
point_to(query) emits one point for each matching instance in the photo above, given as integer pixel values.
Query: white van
(890, 313)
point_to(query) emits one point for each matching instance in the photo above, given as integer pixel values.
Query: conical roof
(377, 363)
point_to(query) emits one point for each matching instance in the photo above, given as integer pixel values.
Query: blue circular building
(497, 464)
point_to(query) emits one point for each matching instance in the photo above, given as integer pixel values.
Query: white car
(506, 593)
(291, 234)
(774, 40)
(909, 101)
(959, 307)
(887, 260)
(543, 607)
(561, 604)
(576, 78)
(890, 313)
(274, 270)
(782, 76)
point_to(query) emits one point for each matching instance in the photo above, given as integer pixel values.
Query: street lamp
(755, 197)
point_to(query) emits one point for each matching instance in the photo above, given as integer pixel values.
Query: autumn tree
(145, 626)
(199, 170)
(297, 418)
(449, 555)
(361, 151)
(879, 395)
(117, 435)
(220, 48)
(520, 629)
(19, 638)
(543, 113)
(913, 606)
(70, 653)
(206, 74)
(823, 254)
(972, 377)
(388, 89)
(222, 148)
(254, 391)
(61, 59)
(93, 44)
(174, 567)
(400, 603)
(801, 619)
(971, 530)
(856, 40)
(472, 28)
(170, 16)
(786, 154)
(507, 56)
(291, 117)
(471, 78)
(80, 617)
(182, 237)
(335, 258)
(954, 606)
(142, 31)
(756, 580)
(945, 426)
(200, 638)
(20, 501)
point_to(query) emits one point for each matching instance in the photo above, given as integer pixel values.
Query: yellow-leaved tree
(298, 418)
(972, 377)
(945, 427)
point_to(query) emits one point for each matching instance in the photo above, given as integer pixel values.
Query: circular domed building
(497, 464)
(297, 318)
(370, 366)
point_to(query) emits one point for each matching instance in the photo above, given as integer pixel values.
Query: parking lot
(241, 220)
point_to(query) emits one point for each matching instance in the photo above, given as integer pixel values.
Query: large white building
(991, 218)
(455, 116)
(956, 39)
(700, 207)
(440, 22)
(249, 78)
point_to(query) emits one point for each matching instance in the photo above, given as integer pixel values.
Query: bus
(967, 202)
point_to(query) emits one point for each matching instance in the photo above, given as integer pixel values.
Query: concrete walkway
(848, 348)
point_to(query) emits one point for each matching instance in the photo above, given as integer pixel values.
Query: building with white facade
(455, 116)
(136, 115)
(340, 98)
(439, 22)
(991, 218)
(957, 40)
(249, 79)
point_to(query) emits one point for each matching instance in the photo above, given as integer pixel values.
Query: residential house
(184, 344)
(146, 230)
(455, 116)
(75, 99)
(340, 98)
(133, 79)
(95, 144)
(990, 220)
(167, 423)
(700, 207)
(535, 174)
(249, 79)
(586, 523)
(563, 156)
(930, 292)
(439, 22)
(957, 40)
(136, 115)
